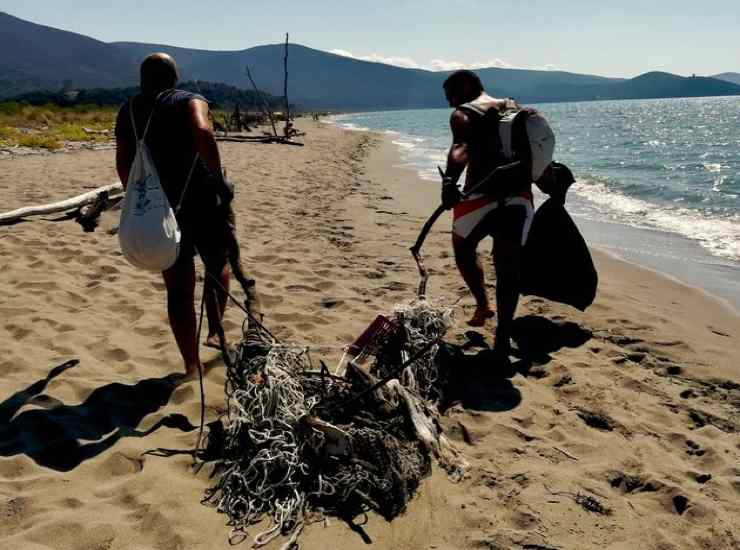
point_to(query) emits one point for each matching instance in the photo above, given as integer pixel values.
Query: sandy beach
(633, 405)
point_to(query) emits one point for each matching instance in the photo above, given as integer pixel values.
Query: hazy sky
(623, 38)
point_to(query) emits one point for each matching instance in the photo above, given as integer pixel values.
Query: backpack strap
(143, 136)
(151, 115)
(187, 185)
(133, 121)
(485, 129)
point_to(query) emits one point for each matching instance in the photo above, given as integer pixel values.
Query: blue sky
(614, 39)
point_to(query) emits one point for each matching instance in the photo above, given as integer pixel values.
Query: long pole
(285, 88)
(265, 106)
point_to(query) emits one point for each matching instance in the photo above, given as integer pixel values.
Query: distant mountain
(728, 77)
(658, 84)
(34, 57)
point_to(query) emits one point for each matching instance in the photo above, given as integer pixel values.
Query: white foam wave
(353, 127)
(721, 236)
(404, 144)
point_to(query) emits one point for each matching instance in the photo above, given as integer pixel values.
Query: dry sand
(634, 405)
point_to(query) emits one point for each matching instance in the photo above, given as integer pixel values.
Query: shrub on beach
(49, 126)
(39, 141)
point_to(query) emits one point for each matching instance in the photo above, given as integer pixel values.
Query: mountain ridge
(34, 57)
(734, 78)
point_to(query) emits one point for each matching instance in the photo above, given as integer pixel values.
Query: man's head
(158, 73)
(462, 86)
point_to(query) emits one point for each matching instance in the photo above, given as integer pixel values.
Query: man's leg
(466, 257)
(180, 283)
(507, 257)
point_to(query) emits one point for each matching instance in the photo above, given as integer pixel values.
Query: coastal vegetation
(48, 119)
(49, 126)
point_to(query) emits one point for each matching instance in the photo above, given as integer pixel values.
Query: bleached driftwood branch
(265, 105)
(61, 206)
(259, 139)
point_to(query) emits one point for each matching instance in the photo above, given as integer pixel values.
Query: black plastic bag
(557, 264)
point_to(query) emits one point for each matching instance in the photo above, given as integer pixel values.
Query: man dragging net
(179, 136)
(503, 210)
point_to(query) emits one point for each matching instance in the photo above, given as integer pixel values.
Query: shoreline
(632, 403)
(393, 156)
(621, 242)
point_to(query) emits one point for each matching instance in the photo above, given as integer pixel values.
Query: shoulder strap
(151, 115)
(472, 109)
(187, 184)
(133, 121)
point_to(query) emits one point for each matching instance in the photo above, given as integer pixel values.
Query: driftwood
(285, 90)
(89, 216)
(260, 139)
(428, 430)
(265, 105)
(77, 202)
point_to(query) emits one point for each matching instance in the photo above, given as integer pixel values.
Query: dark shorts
(207, 233)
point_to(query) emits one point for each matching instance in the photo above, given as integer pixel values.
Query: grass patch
(39, 141)
(49, 126)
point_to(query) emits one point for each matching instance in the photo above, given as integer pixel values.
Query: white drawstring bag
(148, 231)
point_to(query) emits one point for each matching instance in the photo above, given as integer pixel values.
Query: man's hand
(450, 193)
(223, 187)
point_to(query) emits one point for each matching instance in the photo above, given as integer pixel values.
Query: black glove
(450, 193)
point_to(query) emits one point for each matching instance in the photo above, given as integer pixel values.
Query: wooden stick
(285, 88)
(566, 453)
(60, 206)
(265, 106)
(261, 139)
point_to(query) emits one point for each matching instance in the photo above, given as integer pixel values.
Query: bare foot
(191, 373)
(213, 342)
(480, 316)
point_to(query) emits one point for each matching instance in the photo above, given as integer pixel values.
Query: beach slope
(621, 431)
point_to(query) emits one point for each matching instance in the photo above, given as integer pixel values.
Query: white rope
(266, 472)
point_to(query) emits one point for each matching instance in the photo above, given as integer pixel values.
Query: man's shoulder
(178, 97)
(459, 117)
(123, 120)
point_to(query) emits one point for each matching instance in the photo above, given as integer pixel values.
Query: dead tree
(265, 105)
(288, 125)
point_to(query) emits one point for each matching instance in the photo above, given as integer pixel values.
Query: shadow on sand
(61, 437)
(481, 381)
(538, 337)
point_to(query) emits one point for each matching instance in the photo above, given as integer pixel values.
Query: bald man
(181, 142)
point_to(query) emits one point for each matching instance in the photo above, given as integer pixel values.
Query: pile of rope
(422, 322)
(298, 442)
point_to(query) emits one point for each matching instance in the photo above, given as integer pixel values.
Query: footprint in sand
(116, 354)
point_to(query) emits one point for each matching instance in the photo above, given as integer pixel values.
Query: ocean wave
(720, 236)
(353, 127)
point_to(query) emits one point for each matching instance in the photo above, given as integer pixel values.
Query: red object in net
(377, 331)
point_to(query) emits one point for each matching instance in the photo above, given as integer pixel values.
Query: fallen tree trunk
(260, 139)
(89, 216)
(61, 206)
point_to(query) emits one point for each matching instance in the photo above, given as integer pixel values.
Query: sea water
(658, 181)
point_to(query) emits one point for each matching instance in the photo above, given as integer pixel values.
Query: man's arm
(205, 142)
(457, 157)
(124, 159)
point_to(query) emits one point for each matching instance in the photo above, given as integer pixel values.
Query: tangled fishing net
(299, 442)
